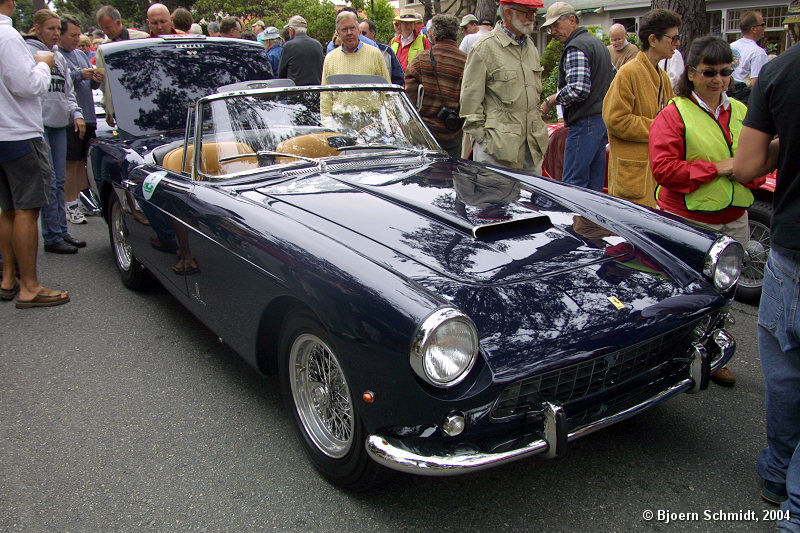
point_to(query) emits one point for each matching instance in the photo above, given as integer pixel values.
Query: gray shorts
(25, 181)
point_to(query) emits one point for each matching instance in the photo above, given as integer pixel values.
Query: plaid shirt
(521, 40)
(578, 79)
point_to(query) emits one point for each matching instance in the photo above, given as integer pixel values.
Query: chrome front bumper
(394, 454)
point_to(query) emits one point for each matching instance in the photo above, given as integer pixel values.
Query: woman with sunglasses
(692, 143)
(638, 92)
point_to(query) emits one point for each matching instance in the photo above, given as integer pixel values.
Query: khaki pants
(479, 155)
(739, 229)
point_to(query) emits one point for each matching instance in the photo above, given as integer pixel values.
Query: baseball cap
(467, 19)
(296, 22)
(270, 33)
(556, 11)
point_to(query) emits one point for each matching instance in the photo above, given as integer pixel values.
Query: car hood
(550, 273)
(464, 221)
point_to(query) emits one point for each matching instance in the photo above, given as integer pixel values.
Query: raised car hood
(466, 222)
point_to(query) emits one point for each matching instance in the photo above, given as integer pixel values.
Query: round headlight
(724, 262)
(444, 348)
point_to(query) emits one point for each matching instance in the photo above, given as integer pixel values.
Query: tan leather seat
(210, 158)
(308, 145)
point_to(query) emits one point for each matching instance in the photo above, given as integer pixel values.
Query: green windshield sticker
(151, 182)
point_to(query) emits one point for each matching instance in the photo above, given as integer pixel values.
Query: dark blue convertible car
(424, 314)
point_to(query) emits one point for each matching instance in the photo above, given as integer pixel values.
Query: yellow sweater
(367, 60)
(633, 100)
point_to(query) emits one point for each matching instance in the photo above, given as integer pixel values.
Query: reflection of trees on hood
(451, 248)
(166, 115)
(543, 319)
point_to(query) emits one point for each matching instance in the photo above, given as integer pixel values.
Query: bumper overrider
(708, 354)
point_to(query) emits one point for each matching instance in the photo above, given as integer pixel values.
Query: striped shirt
(441, 90)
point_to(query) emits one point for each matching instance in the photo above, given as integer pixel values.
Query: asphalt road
(121, 412)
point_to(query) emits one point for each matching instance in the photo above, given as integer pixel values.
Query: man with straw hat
(410, 41)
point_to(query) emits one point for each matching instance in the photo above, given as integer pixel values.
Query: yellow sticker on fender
(614, 300)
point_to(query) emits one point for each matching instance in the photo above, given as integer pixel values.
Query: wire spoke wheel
(757, 251)
(321, 395)
(119, 238)
(131, 271)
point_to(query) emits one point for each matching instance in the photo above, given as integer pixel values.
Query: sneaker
(75, 214)
(774, 493)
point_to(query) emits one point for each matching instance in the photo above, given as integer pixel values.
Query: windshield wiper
(381, 146)
(322, 165)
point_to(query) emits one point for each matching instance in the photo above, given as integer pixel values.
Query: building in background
(723, 17)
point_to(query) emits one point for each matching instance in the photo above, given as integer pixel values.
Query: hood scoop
(513, 227)
(492, 223)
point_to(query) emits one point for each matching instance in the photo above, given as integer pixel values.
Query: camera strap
(436, 74)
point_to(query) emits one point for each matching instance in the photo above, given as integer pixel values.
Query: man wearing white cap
(302, 56)
(584, 74)
(272, 41)
(410, 41)
(501, 89)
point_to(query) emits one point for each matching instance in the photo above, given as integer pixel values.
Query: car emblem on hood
(616, 302)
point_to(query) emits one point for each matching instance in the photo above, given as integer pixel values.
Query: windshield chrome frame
(198, 112)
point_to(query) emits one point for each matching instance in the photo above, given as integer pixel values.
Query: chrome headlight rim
(422, 337)
(712, 261)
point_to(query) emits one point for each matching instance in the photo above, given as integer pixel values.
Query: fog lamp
(453, 424)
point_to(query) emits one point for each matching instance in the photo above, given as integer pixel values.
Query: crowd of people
(677, 141)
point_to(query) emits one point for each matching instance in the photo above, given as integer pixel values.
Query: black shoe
(774, 493)
(77, 243)
(60, 247)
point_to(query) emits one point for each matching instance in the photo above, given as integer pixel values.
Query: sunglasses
(674, 38)
(757, 25)
(712, 73)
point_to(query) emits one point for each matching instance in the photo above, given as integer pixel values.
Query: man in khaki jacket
(501, 90)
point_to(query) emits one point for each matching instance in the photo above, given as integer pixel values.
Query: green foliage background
(22, 17)
(320, 14)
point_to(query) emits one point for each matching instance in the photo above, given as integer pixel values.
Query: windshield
(252, 131)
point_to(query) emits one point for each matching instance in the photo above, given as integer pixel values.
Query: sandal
(9, 294)
(41, 300)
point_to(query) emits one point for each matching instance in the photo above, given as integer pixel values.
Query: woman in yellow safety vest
(692, 142)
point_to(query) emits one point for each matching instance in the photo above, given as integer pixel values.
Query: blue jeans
(54, 214)
(585, 153)
(779, 345)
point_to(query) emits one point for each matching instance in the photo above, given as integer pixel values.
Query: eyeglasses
(712, 73)
(364, 33)
(529, 13)
(674, 38)
(757, 25)
(552, 26)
